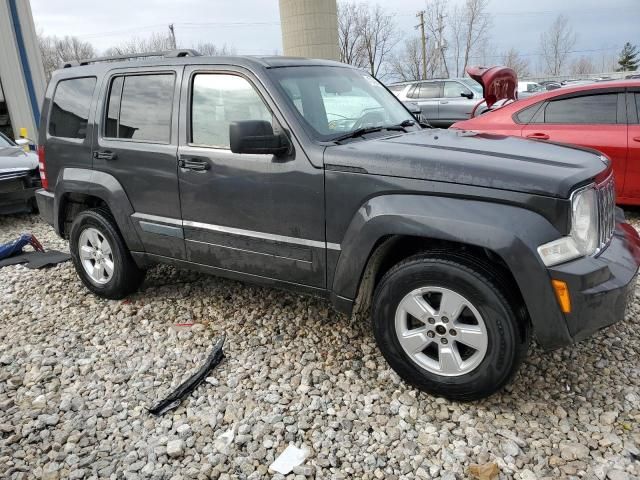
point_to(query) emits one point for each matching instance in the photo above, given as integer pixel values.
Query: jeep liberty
(311, 175)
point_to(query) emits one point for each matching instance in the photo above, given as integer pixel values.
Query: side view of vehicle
(603, 116)
(310, 175)
(19, 177)
(442, 102)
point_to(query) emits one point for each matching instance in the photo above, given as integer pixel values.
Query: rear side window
(70, 107)
(396, 89)
(425, 90)
(526, 115)
(139, 108)
(638, 107)
(588, 109)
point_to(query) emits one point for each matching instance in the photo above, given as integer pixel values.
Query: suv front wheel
(444, 326)
(101, 257)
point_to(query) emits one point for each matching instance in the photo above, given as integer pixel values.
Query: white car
(526, 89)
(19, 177)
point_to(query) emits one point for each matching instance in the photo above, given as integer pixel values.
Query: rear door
(632, 184)
(595, 119)
(456, 103)
(137, 143)
(427, 96)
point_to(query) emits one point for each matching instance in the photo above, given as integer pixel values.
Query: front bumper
(601, 286)
(18, 201)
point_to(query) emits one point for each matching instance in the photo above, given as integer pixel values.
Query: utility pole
(420, 15)
(173, 36)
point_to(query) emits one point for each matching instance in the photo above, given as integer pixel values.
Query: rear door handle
(105, 155)
(636, 139)
(193, 163)
(538, 136)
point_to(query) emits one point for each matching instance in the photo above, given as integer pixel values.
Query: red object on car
(602, 115)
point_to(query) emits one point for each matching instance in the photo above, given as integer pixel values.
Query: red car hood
(498, 83)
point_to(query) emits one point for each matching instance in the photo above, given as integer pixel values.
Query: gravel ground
(77, 374)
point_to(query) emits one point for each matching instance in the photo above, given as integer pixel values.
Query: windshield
(5, 142)
(333, 101)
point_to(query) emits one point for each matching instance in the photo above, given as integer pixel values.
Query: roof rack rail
(111, 58)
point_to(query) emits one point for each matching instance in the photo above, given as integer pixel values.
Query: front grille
(11, 185)
(606, 192)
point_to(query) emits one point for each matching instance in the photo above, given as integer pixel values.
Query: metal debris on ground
(173, 400)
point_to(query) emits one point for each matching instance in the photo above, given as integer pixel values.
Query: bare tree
(436, 14)
(475, 27)
(407, 65)
(212, 50)
(513, 60)
(56, 51)
(378, 38)
(583, 66)
(556, 44)
(457, 36)
(157, 42)
(350, 33)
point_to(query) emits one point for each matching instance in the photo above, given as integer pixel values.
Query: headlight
(583, 238)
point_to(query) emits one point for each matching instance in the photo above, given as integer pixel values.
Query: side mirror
(415, 109)
(256, 136)
(468, 95)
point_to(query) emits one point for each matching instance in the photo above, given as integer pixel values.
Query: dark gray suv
(310, 175)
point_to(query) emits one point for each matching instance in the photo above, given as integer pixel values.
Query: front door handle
(444, 102)
(636, 139)
(105, 155)
(193, 163)
(538, 136)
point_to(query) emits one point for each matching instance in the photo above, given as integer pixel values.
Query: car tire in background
(101, 257)
(444, 326)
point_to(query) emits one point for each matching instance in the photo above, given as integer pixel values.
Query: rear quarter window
(70, 107)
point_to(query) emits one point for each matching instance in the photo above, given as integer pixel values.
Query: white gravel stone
(294, 372)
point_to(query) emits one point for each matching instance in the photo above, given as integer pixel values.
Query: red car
(603, 116)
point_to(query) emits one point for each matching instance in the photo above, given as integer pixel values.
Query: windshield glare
(333, 101)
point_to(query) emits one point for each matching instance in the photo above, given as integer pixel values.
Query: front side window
(587, 109)
(219, 99)
(333, 101)
(139, 108)
(70, 108)
(455, 90)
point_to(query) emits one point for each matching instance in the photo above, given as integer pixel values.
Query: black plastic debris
(176, 397)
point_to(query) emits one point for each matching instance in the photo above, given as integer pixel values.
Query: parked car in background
(526, 89)
(603, 116)
(550, 84)
(442, 101)
(19, 177)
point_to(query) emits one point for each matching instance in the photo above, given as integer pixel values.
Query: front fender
(510, 232)
(100, 185)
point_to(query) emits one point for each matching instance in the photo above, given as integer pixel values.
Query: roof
(171, 59)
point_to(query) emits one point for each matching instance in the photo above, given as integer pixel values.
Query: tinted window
(427, 90)
(70, 107)
(526, 115)
(219, 100)
(638, 107)
(145, 108)
(454, 90)
(113, 111)
(589, 109)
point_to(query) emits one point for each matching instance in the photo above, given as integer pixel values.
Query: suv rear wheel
(444, 326)
(101, 257)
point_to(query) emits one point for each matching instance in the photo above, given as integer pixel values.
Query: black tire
(127, 277)
(507, 333)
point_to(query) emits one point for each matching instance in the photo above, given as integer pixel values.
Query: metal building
(310, 28)
(22, 79)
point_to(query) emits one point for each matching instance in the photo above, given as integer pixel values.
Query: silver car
(443, 101)
(19, 177)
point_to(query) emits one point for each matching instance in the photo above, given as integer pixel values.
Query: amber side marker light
(562, 294)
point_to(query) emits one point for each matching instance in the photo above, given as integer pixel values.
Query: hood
(469, 158)
(14, 159)
(498, 83)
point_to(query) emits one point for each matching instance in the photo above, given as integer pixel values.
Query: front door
(137, 143)
(256, 214)
(456, 103)
(426, 96)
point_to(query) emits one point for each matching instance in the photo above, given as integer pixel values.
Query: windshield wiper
(358, 132)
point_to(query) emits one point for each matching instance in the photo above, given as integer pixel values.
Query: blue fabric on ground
(13, 248)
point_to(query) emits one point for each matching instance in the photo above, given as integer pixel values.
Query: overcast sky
(253, 26)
